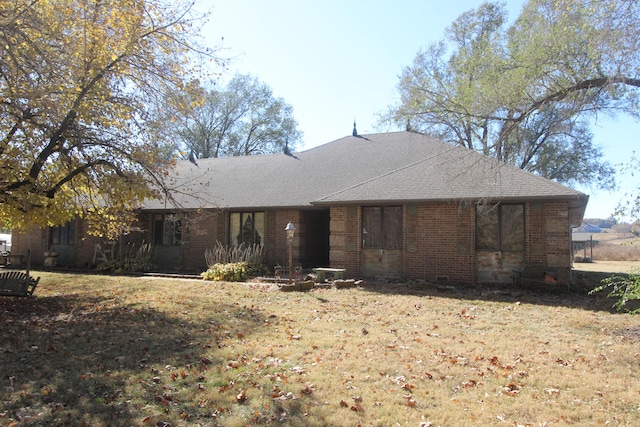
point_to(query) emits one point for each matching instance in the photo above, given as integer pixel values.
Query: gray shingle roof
(385, 167)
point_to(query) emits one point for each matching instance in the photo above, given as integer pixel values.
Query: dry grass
(611, 246)
(617, 251)
(95, 350)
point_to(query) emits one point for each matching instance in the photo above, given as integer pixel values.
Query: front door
(315, 246)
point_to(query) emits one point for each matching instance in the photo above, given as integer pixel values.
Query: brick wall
(558, 239)
(438, 239)
(209, 227)
(344, 240)
(202, 231)
(35, 239)
(535, 247)
(80, 254)
(277, 237)
(439, 242)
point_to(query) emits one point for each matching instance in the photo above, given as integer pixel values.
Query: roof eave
(578, 201)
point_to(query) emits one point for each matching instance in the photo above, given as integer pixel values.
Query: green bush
(233, 271)
(625, 288)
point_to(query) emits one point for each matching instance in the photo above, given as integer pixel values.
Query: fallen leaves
(230, 363)
(511, 389)
(552, 391)
(242, 396)
(307, 390)
(470, 384)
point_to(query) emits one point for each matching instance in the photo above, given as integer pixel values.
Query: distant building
(587, 228)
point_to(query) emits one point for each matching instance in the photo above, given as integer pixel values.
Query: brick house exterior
(394, 204)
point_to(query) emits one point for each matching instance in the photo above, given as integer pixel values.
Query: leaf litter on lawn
(99, 350)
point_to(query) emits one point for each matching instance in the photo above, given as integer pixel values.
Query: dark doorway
(314, 250)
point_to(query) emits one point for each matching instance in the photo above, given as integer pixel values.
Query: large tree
(527, 93)
(76, 77)
(240, 119)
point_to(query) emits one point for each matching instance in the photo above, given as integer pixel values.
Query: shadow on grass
(83, 360)
(576, 297)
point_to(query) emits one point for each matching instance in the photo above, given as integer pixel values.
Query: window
(382, 227)
(500, 228)
(247, 228)
(63, 234)
(167, 230)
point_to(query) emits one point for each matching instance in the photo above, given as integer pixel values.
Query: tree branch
(51, 192)
(583, 85)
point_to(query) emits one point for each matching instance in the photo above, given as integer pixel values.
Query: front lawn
(115, 351)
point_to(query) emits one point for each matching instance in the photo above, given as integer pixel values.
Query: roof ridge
(366, 136)
(391, 172)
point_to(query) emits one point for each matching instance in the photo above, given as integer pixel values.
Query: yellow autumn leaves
(79, 79)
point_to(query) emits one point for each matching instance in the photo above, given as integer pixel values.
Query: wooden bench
(535, 275)
(17, 284)
(338, 273)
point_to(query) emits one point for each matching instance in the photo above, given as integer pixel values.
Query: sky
(337, 61)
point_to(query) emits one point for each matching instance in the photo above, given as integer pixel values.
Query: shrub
(131, 259)
(625, 288)
(233, 271)
(234, 263)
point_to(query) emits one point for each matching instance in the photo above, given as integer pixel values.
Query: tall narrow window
(167, 230)
(382, 227)
(500, 228)
(247, 228)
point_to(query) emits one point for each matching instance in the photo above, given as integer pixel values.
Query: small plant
(234, 263)
(233, 272)
(625, 288)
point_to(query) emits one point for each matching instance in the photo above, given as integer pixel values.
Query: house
(587, 228)
(398, 204)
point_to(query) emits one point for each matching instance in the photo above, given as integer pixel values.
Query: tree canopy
(240, 119)
(75, 80)
(526, 93)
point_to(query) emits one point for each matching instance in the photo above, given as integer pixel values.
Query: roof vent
(355, 132)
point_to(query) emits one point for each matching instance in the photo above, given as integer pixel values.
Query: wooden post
(290, 260)
(28, 261)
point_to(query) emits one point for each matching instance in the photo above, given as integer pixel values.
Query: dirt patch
(631, 333)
